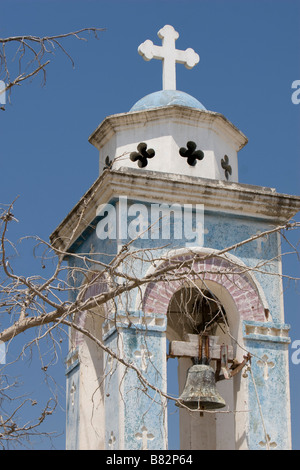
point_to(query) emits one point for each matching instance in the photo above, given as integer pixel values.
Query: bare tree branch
(37, 48)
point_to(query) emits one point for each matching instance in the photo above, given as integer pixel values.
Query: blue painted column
(135, 414)
(269, 401)
(72, 400)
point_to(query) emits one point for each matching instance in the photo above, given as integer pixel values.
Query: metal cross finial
(169, 55)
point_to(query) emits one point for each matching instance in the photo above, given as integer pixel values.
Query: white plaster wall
(166, 137)
(91, 406)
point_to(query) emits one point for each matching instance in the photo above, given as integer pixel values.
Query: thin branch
(37, 48)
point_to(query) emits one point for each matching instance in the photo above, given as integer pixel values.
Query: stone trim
(118, 122)
(275, 332)
(134, 320)
(72, 361)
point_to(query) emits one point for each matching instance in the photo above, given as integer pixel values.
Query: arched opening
(196, 311)
(241, 298)
(193, 310)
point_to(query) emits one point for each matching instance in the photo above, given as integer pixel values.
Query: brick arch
(240, 286)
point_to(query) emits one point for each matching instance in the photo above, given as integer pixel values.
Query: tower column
(268, 384)
(135, 411)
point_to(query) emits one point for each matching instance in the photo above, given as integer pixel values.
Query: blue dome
(167, 98)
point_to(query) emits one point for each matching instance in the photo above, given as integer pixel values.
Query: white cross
(266, 365)
(110, 362)
(111, 441)
(144, 436)
(143, 354)
(267, 443)
(169, 55)
(72, 393)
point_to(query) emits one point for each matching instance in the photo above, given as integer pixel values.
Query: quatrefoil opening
(226, 167)
(142, 155)
(191, 153)
(108, 163)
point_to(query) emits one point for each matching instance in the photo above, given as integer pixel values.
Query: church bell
(200, 390)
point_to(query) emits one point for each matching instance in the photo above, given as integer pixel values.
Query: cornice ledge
(111, 124)
(218, 196)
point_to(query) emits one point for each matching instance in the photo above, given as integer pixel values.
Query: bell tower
(168, 193)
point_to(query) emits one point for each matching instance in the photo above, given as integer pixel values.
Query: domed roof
(167, 98)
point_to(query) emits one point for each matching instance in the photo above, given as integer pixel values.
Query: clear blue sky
(249, 57)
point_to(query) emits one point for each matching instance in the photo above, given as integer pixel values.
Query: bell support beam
(191, 347)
